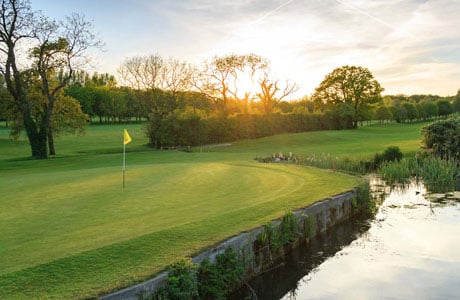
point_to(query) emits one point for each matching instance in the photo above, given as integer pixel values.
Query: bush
(215, 281)
(392, 153)
(211, 285)
(181, 283)
(289, 228)
(363, 202)
(176, 129)
(443, 138)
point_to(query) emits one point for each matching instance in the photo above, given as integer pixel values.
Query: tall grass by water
(345, 164)
(438, 174)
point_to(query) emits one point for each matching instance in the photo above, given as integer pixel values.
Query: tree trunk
(37, 139)
(52, 150)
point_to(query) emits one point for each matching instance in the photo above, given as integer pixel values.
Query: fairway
(69, 230)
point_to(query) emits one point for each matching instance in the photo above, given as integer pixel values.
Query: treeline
(182, 105)
(192, 118)
(401, 108)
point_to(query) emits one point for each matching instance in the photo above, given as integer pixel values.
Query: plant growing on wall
(216, 280)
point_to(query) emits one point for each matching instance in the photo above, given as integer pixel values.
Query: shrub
(210, 283)
(288, 228)
(392, 153)
(310, 226)
(443, 138)
(181, 283)
(216, 280)
(363, 202)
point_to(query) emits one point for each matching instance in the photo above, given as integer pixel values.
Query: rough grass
(69, 230)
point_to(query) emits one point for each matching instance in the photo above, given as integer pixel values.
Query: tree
(224, 77)
(354, 86)
(142, 72)
(444, 107)
(67, 116)
(272, 93)
(430, 109)
(456, 102)
(442, 138)
(7, 112)
(383, 113)
(411, 110)
(399, 113)
(159, 84)
(52, 46)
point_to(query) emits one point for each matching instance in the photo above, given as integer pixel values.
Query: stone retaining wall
(327, 213)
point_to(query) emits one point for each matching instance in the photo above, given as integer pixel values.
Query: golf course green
(68, 229)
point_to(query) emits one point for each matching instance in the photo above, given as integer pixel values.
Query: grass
(438, 175)
(68, 230)
(362, 143)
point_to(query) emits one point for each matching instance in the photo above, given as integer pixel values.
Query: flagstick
(124, 163)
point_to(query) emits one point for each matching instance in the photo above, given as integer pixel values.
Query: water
(409, 250)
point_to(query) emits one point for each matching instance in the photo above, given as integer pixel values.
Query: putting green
(80, 212)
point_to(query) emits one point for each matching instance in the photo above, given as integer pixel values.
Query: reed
(345, 164)
(438, 174)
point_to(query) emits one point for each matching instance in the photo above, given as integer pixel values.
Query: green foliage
(456, 102)
(211, 284)
(383, 113)
(288, 228)
(442, 138)
(411, 111)
(181, 282)
(346, 164)
(269, 237)
(310, 226)
(398, 171)
(186, 280)
(363, 202)
(445, 108)
(286, 232)
(349, 89)
(392, 153)
(437, 173)
(179, 129)
(230, 266)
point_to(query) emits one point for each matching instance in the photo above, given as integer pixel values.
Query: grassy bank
(69, 230)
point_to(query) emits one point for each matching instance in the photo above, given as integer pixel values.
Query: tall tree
(272, 92)
(445, 108)
(67, 115)
(456, 102)
(142, 72)
(52, 46)
(226, 77)
(351, 85)
(159, 84)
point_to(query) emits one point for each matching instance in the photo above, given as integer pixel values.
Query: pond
(409, 249)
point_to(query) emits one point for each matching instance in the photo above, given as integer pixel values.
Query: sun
(247, 86)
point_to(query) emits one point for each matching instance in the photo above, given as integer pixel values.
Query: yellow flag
(126, 137)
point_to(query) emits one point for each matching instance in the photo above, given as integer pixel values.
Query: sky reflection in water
(411, 251)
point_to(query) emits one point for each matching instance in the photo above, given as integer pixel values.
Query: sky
(410, 46)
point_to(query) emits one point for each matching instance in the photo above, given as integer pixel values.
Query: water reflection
(410, 249)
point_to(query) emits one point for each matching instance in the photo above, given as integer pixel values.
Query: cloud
(409, 45)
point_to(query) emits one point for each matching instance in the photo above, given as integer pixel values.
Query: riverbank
(311, 221)
(407, 251)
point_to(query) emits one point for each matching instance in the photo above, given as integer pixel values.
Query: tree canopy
(351, 88)
(50, 46)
